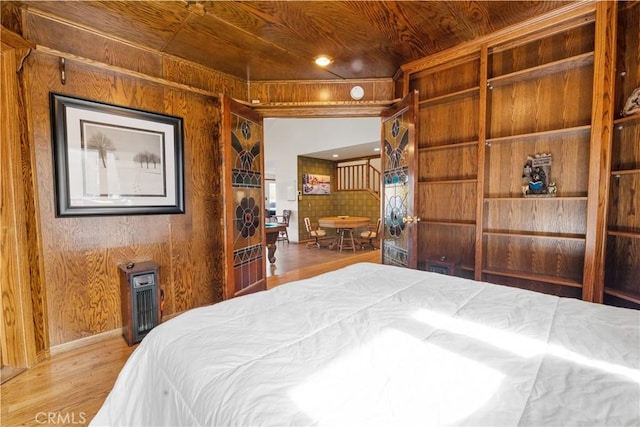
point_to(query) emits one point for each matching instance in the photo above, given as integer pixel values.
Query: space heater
(140, 293)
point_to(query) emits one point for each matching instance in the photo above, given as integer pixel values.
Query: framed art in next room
(316, 184)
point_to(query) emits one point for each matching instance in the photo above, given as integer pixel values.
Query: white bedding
(379, 345)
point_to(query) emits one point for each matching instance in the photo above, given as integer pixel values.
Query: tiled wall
(354, 203)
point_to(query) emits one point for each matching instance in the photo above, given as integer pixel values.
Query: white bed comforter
(378, 345)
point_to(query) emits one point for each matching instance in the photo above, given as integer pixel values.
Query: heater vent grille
(140, 300)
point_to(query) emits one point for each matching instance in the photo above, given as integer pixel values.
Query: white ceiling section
(286, 139)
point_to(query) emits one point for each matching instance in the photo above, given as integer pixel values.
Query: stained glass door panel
(399, 246)
(244, 199)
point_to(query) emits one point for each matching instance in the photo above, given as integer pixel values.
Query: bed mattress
(379, 345)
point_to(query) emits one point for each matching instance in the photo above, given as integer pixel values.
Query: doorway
(270, 197)
(287, 138)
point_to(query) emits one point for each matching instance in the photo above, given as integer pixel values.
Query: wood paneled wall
(63, 37)
(319, 91)
(321, 98)
(80, 256)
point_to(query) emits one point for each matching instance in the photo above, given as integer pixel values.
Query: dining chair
(317, 234)
(284, 220)
(372, 233)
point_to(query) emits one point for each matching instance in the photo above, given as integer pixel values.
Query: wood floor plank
(70, 386)
(311, 261)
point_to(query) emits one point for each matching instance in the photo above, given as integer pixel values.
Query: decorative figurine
(536, 173)
(632, 106)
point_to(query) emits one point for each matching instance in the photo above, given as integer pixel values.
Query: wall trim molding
(83, 342)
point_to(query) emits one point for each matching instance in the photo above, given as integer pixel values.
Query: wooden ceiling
(278, 40)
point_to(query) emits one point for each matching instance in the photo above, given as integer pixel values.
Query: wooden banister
(358, 177)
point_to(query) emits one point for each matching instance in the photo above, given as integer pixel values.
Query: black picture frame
(113, 160)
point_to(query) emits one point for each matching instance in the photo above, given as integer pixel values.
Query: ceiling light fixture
(323, 60)
(335, 155)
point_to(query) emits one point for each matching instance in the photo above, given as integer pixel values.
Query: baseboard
(83, 342)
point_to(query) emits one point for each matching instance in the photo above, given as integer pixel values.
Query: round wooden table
(344, 226)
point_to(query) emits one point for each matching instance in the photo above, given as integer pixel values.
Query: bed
(373, 345)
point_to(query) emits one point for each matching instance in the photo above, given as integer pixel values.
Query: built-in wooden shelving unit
(484, 114)
(532, 108)
(622, 258)
(480, 119)
(448, 157)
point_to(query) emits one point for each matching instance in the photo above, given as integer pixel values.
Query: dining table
(344, 226)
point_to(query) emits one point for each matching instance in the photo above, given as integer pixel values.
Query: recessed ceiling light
(335, 155)
(376, 149)
(323, 60)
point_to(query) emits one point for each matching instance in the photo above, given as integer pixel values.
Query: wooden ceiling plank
(235, 58)
(263, 40)
(307, 29)
(472, 17)
(145, 23)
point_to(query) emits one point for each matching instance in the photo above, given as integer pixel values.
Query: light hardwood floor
(70, 387)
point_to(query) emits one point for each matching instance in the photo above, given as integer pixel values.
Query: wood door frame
(18, 342)
(356, 111)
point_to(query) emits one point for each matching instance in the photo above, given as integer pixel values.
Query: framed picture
(316, 184)
(111, 160)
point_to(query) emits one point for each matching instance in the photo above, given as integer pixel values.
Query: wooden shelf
(624, 121)
(635, 298)
(536, 277)
(571, 63)
(450, 97)
(449, 146)
(537, 235)
(618, 173)
(521, 198)
(449, 181)
(624, 233)
(523, 136)
(449, 223)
